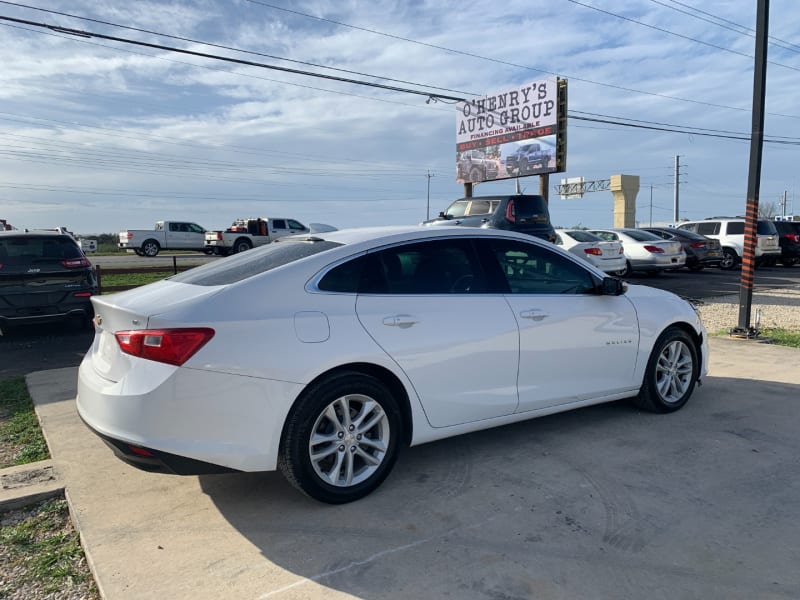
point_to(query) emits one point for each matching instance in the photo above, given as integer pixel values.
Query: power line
(434, 95)
(680, 35)
(453, 51)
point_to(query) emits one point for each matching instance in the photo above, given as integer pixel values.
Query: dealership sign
(510, 133)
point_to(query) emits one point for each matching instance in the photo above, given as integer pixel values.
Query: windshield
(457, 208)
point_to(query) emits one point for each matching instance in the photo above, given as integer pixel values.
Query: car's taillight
(622, 249)
(654, 249)
(82, 294)
(511, 215)
(74, 263)
(795, 237)
(171, 346)
(697, 244)
(130, 236)
(593, 251)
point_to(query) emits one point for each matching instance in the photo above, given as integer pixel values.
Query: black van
(525, 213)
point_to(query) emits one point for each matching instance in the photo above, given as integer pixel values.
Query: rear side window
(735, 228)
(709, 228)
(253, 262)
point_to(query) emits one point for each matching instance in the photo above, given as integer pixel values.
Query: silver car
(644, 251)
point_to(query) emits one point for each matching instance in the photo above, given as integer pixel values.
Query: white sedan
(609, 257)
(645, 251)
(321, 354)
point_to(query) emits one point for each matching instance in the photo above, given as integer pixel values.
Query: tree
(767, 210)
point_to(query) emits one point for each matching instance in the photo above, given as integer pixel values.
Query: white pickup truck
(244, 234)
(166, 235)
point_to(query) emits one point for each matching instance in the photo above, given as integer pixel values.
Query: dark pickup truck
(525, 213)
(528, 158)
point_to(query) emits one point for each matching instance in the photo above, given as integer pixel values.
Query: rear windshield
(766, 228)
(26, 249)
(641, 236)
(583, 236)
(241, 266)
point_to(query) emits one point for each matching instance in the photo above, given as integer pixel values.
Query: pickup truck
(166, 235)
(527, 158)
(244, 234)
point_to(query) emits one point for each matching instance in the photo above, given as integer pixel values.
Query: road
(43, 347)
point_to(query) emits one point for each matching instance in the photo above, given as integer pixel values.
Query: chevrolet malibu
(322, 355)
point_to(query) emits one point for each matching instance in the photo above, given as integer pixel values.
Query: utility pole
(754, 171)
(675, 215)
(783, 204)
(651, 206)
(428, 209)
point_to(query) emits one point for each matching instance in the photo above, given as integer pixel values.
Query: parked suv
(474, 166)
(789, 232)
(521, 212)
(44, 277)
(730, 233)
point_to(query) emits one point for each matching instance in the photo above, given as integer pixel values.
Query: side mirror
(442, 215)
(612, 286)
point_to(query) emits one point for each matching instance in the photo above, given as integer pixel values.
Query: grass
(134, 279)
(783, 337)
(43, 551)
(20, 433)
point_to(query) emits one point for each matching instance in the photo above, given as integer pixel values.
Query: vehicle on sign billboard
(510, 133)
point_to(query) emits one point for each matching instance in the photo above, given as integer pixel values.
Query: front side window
(295, 224)
(531, 269)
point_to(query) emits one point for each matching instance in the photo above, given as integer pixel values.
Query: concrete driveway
(604, 502)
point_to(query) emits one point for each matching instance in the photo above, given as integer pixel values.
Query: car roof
(369, 237)
(35, 233)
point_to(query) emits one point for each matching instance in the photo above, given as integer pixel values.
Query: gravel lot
(779, 308)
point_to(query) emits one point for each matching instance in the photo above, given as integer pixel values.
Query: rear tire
(150, 248)
(729, 259)
(670, 374)
(626, 271)
(242, 245)
(340, 440)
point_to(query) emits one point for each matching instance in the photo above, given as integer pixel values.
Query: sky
(101, 135)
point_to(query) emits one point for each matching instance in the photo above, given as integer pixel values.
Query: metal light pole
(428, 209)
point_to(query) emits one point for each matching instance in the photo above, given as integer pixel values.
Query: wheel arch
(697, 339)
(382, 374)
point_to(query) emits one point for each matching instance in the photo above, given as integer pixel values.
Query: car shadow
(561, 506)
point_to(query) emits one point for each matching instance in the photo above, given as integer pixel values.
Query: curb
(27, 484)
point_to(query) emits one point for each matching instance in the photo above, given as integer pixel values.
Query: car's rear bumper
(185, 416)
(656, 263)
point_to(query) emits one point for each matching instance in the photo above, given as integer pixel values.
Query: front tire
(341, 439)
(671, 373)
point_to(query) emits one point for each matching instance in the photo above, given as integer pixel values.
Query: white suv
(730, 233)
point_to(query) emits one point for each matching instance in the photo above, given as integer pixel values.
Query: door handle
(534, 314)
(401, 321)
